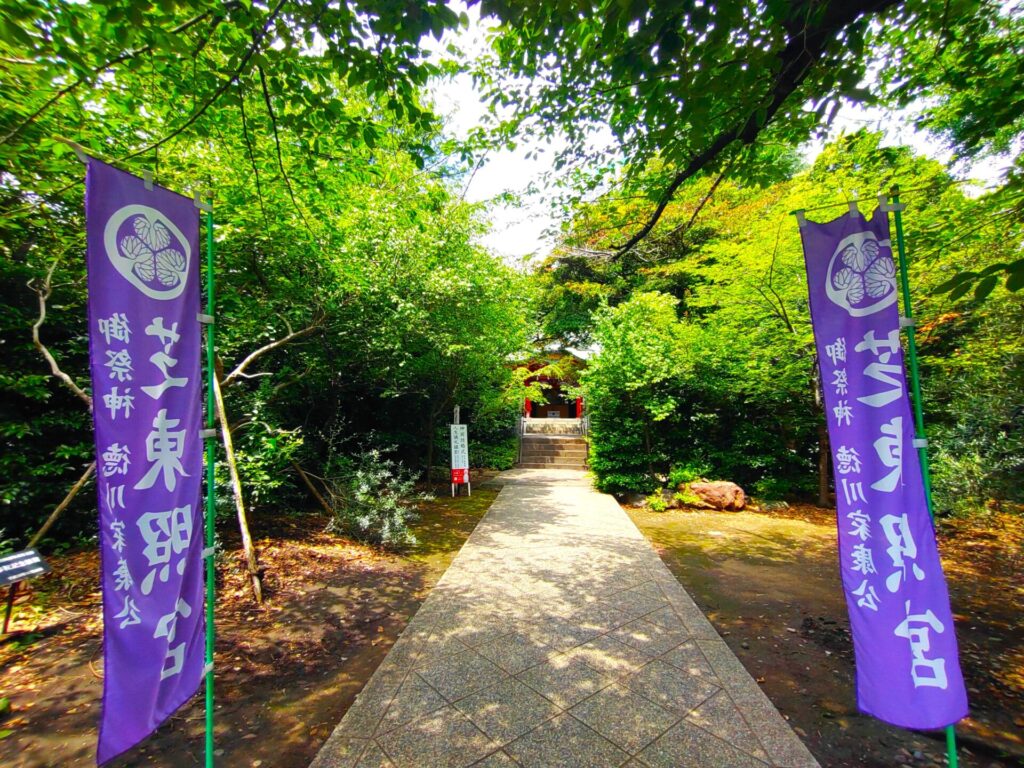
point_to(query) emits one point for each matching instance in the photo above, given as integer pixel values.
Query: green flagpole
(921, 442)
(210, 437)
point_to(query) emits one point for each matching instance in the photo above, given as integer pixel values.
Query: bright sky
(518, 232)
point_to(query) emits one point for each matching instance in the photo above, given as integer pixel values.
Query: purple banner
(908, 668)
(144, 351)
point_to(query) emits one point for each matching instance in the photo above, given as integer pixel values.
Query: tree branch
(121, 59)
(252, 156)
(771, 276)
(239, 371)
(804, 49)
(79, 484)
(684, 228)
(250, 52)
(43, 292)
(277, 146)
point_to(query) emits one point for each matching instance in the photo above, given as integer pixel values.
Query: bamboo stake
(79, 484)
(236, 490)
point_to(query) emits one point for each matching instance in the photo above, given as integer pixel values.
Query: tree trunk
(823, 451)
(249, 551)
(823, 443)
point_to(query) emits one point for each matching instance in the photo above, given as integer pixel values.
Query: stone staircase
(552, 444)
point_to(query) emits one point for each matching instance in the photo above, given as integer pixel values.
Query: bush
(772, 488)
(656, 502)
(687, 497)
(497, 455)
(682, 474)
(980, 457)
(374, 499)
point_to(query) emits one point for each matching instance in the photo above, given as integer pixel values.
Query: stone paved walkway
(558, 638)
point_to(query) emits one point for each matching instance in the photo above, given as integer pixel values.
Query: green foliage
(308, 124)
(264, 457)
(492, 434)
(690, 88)
(733, 395)
(629, 386)
(656, 502)
(771, 488)
(683, 474)
(687, 497)
(374, 499)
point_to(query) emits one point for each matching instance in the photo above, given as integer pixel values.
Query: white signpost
(460, 455)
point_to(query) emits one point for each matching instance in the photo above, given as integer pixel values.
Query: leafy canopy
(699, 87)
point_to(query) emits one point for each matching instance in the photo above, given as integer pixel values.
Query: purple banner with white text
(144, 353)
(908, 668)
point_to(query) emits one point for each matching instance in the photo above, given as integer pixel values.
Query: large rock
(720, 495)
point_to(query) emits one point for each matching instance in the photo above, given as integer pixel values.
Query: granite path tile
(557, 638)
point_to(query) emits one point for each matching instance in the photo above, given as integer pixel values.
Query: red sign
(459, 475)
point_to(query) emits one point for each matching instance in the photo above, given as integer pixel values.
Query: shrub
(656, 502)
(687, 497)
(683, 474)
(772, 488)
(374, 499)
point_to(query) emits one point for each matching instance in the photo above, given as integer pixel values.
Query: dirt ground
(769, 582)
(289, 669)
(286, 670)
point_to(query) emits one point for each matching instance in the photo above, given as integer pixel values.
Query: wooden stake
(62, 506)
(248, 549)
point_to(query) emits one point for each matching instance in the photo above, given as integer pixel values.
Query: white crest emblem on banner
(861, 276)
(152, 253)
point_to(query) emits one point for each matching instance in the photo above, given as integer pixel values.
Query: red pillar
(528, 408)
(579, 407)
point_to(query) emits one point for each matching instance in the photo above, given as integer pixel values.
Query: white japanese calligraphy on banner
(907, 663)
(144, 360)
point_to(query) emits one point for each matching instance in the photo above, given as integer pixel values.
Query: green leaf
(960, 291)
(957, 279)
(991, 269)
(986, 286)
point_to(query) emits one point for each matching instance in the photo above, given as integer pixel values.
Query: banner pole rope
(211, 479)
(921, 442)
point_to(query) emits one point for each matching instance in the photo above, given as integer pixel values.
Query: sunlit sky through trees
(519, 231)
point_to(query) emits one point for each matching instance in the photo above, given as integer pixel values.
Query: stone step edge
(532, 465)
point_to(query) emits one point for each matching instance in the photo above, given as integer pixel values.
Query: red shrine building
(553, 433)
(559, 403)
